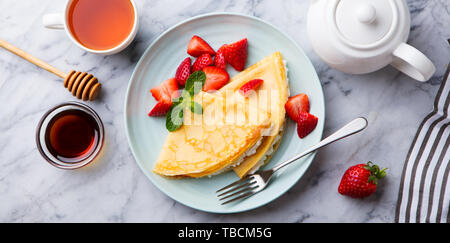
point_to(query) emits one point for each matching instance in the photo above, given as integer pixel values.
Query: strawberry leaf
(375, 172)
(373, 179)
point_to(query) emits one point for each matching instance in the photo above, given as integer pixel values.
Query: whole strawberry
(361, 180)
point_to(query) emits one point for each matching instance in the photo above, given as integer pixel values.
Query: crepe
(213, 141)
(233, 132)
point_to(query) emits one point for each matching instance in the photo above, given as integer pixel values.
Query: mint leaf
(195, 82)
(174, 118)
(177, 101)
(185, 96)
(196, 108)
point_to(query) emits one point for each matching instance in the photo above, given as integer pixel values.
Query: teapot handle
(413, 63)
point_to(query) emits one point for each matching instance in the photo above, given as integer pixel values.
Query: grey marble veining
(115, 190)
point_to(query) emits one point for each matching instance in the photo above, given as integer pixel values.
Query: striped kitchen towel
(424, 195)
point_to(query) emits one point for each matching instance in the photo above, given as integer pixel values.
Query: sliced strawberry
(236, 54)
(216, 78)
(160, 109)
(197, 46)
(219, 59)
(306, 124)
(166, 91)
(249, 86)
(160, 93)
(202, 61)
(183, 71)
(297, 104)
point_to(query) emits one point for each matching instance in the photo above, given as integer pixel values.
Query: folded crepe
(233, 132)
(213, 141)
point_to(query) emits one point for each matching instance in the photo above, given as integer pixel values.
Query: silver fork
(252, 184)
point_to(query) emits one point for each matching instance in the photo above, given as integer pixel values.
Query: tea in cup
(97, 26)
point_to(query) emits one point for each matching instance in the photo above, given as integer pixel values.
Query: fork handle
(351, 128)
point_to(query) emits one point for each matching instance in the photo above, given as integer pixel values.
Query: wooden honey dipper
(82, 85)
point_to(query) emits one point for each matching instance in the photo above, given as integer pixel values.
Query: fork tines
(238, 190)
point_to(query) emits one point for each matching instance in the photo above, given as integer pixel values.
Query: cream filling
(287, 77)
(241, 159)
(262, 161)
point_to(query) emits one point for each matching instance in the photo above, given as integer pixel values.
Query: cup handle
(53, 21)
(413, 63)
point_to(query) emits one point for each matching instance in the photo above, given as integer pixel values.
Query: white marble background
(115, 190)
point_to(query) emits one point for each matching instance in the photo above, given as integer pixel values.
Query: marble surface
(115, 190)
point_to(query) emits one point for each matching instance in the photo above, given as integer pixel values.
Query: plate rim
(135, 71)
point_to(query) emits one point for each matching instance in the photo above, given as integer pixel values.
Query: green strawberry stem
(375, 172)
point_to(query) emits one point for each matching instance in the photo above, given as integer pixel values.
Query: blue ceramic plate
(159, 62)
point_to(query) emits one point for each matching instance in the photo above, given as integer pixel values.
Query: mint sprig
(174, 119)
(194, 84)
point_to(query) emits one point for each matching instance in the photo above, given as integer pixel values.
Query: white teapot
(362, 36)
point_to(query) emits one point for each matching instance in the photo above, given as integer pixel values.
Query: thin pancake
(210, 142)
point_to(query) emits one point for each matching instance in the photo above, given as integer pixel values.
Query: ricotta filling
(287, 77)
(262, 161)
(241, 159)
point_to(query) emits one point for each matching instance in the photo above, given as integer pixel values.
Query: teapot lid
(365, 22)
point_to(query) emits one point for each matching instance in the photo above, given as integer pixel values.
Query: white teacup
(61, 21)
